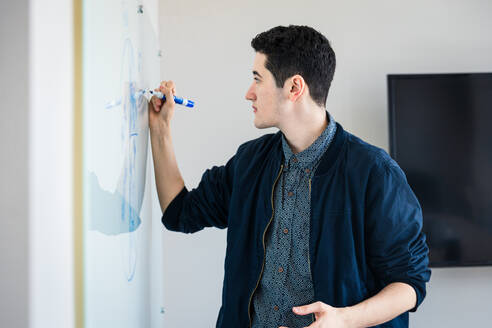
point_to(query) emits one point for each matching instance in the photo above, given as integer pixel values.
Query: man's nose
(250, 95)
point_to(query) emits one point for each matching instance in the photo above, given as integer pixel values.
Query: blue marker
(160, 95)
(177, 100)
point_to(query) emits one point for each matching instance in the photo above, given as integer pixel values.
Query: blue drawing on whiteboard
(118, 212)
(103, 216)
(121, 251)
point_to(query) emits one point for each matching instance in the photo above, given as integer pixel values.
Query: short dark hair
(298, 50)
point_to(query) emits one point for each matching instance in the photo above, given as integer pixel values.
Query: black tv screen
(440, 131)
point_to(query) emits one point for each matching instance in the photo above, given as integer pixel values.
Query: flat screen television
(440, 133)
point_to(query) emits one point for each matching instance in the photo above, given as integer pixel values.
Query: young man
(323, 228)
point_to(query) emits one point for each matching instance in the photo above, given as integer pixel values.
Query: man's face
(264, 94)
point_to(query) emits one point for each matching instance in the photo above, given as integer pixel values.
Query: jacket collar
(310, 156)
(328, 158)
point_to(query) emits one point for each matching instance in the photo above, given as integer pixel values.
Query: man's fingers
(156, 102)
(310, 308)
(167, 85)
(168, 88)
(170, 84)
(169, 95)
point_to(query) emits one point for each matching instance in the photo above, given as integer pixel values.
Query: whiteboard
(120, 57)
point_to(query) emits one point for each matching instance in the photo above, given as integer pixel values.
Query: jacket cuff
(419, 290)
(170, 217)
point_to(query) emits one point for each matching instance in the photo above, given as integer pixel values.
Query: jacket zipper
(309, 261)
(264, 250)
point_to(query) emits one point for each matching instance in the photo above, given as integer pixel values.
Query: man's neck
(304, 127)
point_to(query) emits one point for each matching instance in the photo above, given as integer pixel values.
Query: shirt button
(275, 308)
(307, 171)
(280, 269)
(286, 230)
(294, 159)
(290, 193)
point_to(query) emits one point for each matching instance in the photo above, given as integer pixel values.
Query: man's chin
(261, 125)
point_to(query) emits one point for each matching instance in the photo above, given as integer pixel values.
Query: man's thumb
(169, 96)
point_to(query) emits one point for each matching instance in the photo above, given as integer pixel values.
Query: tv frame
(390, 78)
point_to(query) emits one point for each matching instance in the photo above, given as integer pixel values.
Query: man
(323, 228)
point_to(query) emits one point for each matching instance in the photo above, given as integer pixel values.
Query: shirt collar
(309, 156)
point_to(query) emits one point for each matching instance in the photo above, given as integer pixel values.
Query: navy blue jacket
(366, 223)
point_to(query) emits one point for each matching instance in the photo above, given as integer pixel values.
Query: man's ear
(297, 87)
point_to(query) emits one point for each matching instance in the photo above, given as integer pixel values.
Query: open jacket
(366, 223)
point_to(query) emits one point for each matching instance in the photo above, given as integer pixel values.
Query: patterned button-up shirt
(286, 280)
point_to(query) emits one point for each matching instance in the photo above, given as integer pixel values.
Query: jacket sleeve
(204, 206)
(396, 245)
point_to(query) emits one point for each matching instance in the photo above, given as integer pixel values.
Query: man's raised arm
(169, 181)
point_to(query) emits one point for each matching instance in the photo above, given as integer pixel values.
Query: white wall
(50, 164)
(36, 245)
(14, 247)
(207, 52)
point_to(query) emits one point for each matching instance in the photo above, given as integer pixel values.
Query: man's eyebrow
(256, 73)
